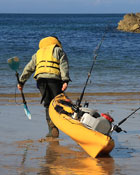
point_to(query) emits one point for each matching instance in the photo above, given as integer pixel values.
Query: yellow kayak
(92, 141)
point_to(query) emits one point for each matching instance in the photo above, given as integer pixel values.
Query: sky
(69, 6)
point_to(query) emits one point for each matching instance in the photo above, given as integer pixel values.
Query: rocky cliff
(130, 23)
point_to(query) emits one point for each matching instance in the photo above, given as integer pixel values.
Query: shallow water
(24, 149)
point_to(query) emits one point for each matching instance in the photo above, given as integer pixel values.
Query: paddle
(14, 65)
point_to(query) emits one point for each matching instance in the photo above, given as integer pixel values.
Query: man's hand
(20, 87)
(64, 86)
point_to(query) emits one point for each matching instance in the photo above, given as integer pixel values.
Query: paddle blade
(27, 112)
(13, 63)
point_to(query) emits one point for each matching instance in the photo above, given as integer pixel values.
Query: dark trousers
(49, 88)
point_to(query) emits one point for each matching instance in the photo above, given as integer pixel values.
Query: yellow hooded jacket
(45, 62)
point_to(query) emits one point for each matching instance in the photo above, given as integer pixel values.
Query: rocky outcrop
(130, 23)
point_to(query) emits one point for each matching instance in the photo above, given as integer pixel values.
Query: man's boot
(53, 130)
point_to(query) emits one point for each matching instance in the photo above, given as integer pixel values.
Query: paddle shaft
(22, 94)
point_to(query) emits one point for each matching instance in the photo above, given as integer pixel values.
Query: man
(51, 71)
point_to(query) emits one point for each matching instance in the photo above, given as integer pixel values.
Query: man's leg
(44, 90)
(54, 88)
(49, 89)
(53, 130)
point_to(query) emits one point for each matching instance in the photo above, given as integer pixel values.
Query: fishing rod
(89, 73)
(14, 65)
(122, 121)
(117, 128)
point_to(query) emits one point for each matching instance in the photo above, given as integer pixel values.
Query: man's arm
(27, 72)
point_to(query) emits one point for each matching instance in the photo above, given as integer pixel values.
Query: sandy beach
(25, 150)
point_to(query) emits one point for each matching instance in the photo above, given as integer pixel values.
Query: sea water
(117, 67)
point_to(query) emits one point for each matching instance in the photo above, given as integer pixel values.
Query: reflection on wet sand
(71, 160)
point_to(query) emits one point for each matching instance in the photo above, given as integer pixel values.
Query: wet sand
(25, 150)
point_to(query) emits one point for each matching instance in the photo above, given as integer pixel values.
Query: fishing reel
(117, 129)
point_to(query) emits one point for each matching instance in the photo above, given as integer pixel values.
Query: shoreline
(75, 94)
(99, 97)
